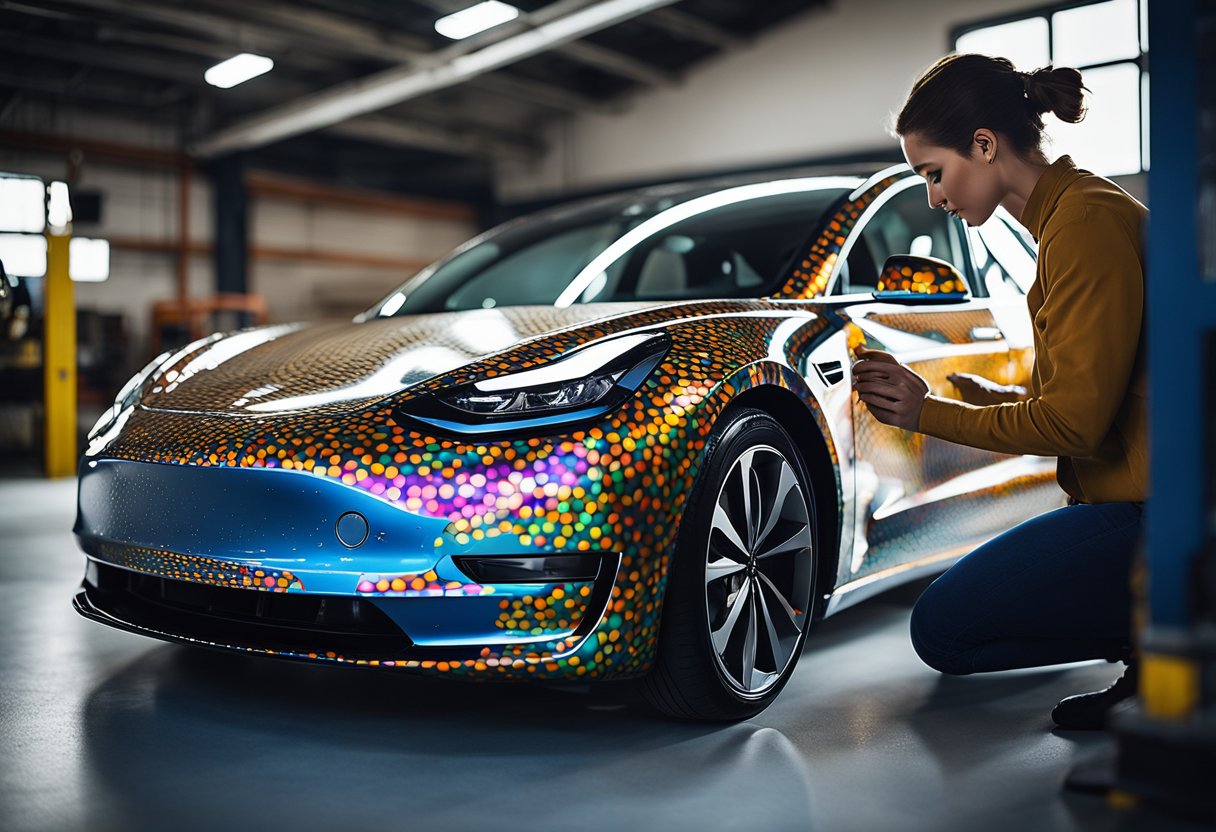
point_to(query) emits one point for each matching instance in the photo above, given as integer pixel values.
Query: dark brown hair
(963, 92)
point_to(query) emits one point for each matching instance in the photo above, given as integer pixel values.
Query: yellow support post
(1169, 686)
(59, 361)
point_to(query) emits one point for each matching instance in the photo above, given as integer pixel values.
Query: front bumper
(260, 560)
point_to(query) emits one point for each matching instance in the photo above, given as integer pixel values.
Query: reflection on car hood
(278, 369)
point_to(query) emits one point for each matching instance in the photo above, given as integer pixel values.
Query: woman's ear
(986, 141)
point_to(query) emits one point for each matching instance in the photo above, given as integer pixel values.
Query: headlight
(585, 384)
(130, 393)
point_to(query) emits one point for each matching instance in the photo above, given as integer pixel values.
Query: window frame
(957, 233)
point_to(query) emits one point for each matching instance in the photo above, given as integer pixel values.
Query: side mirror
(907, 278)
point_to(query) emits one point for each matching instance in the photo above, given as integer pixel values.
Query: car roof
(682, 190)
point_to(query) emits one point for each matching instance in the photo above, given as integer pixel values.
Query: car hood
(324, 366)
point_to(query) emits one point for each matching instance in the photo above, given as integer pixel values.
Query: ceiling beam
(85, 89)
(238, 33)
(444, 140)
(617, 64)
(316, 31)
(591, 54)
(81, 54)
(337, 31)
(393, 131)
(694, 28)
(541, 94)
(438, 71)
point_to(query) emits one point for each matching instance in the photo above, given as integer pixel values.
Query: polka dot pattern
(921, 276)
(559, 609)
(201, 570)
(425, 585)
(616, 486)
(814, 269)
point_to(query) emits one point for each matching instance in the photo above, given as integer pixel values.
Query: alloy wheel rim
(758, 570)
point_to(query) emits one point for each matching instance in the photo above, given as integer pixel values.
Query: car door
(920, 499)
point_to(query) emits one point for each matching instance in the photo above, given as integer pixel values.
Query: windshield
(725, 243)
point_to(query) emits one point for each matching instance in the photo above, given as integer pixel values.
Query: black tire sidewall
(685, 622)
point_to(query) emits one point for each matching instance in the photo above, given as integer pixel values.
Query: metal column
(231, 225)
(1167, 748)
(59, 360)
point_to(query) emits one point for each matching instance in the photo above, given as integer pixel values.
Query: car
(613, 440)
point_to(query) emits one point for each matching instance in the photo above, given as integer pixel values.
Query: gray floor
(105, 730)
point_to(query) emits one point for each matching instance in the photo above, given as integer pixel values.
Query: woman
(1056, 588)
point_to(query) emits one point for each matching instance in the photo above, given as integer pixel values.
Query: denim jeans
(1054, 589)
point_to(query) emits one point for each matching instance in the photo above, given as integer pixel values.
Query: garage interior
(374, 146)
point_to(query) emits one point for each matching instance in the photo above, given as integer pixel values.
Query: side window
(1002, 260)
(733, 251)
(905, 224)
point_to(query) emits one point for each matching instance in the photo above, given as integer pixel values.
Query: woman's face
(969, 187)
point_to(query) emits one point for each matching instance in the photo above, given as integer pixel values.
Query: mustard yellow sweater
(1087, 394)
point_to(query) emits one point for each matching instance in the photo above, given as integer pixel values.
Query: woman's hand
(982, 391)
(892, 392)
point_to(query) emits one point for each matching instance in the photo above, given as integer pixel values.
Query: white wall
(823, 84)
(304, 290)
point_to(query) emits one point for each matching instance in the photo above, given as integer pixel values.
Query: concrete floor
(105, 730)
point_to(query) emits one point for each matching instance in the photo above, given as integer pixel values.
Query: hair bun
(1056, 90)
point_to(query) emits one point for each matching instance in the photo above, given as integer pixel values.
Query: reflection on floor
(106, 730)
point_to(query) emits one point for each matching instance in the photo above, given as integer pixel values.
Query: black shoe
(1089, 711)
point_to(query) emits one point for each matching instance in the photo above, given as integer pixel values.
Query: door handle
(830, 371)
(986, 333)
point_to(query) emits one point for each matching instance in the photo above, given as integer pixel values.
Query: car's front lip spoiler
(118, 610)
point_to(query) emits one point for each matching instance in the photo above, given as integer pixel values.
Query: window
(730, 252)
(730, 242)
(904, 224)
(1108, 42)
(1004, 262)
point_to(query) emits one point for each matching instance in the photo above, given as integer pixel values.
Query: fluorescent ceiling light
(237, 70)
(88, 260)
(474, 19)
(22, 205)
(23, 255)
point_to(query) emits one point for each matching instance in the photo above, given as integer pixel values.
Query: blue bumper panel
(265, 519)
(278, 531)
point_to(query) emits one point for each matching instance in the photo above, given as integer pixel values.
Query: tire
(738, 607)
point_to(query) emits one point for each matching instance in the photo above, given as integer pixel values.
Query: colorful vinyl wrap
(291, 460)
(615, 487)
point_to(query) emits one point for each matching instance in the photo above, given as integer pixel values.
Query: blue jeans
(1054, 589)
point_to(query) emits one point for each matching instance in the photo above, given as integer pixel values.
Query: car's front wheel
(739, 593)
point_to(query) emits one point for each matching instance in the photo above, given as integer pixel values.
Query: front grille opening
(548, 569)
(284, 622)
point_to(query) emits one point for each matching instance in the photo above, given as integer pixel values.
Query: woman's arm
(984, 391)
(1089, 332)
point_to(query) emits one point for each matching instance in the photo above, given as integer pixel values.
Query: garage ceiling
(143, 61)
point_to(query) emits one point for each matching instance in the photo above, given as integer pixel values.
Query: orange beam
(274, 186)
(140, 156)
(337, 258)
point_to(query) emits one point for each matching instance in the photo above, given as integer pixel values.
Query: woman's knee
(934, 639)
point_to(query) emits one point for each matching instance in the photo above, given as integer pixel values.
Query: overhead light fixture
(474, 19)
(237, 70)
